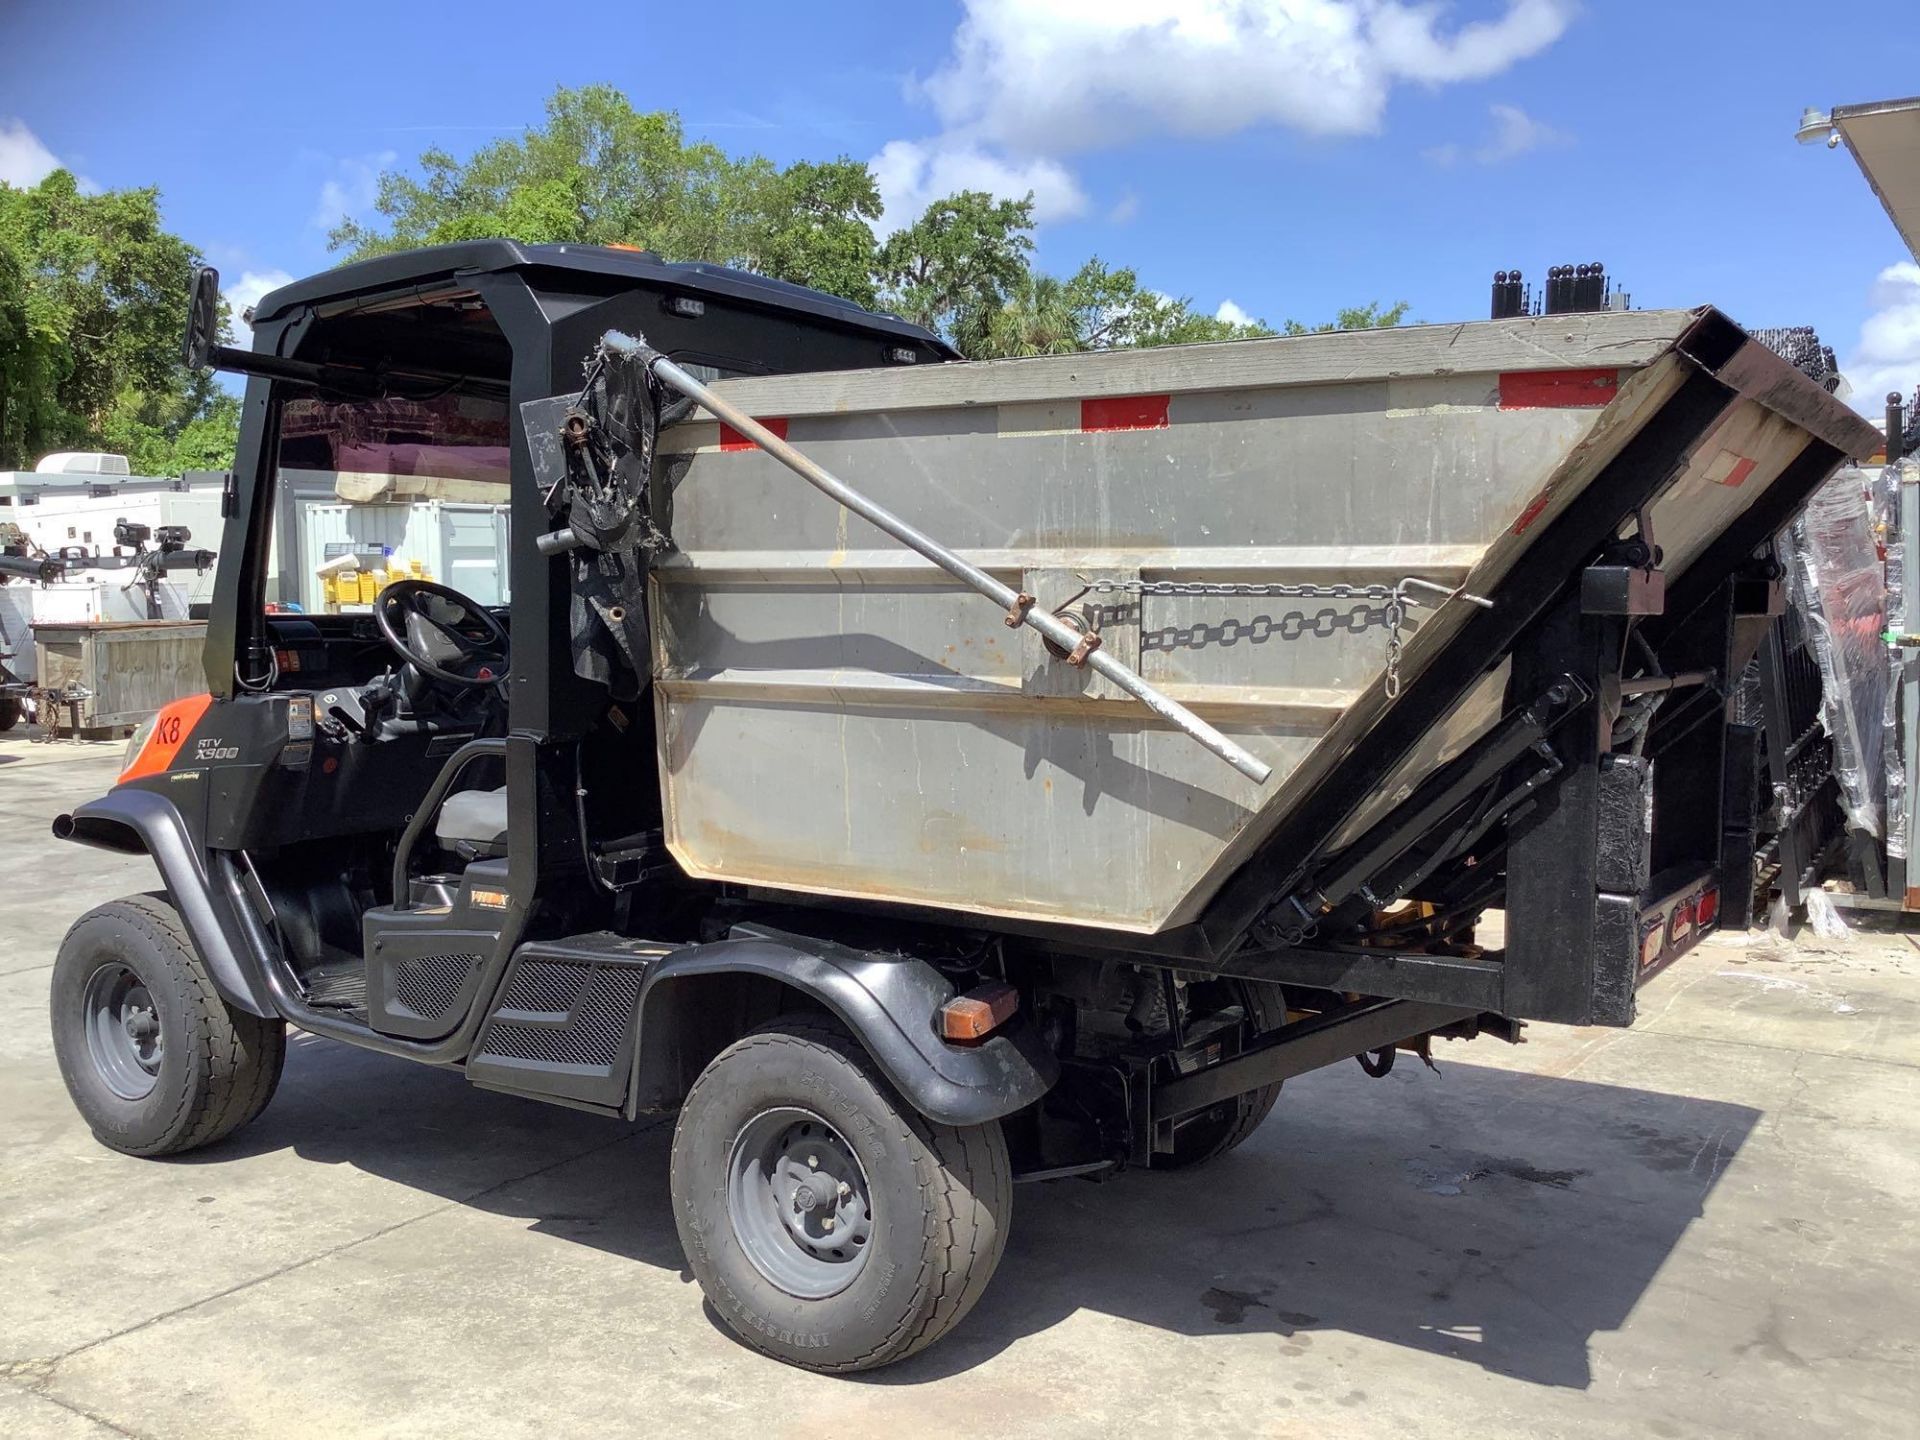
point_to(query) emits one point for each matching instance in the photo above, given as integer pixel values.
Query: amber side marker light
(978, 1013)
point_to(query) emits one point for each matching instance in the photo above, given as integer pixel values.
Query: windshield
(453, 437)
(371, 491)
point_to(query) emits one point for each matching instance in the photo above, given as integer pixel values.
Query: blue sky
(1287, 156)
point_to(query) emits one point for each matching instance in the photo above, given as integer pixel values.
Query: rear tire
(907, 1225)
(1212, 1133)
(155, 1060)
(9, 711)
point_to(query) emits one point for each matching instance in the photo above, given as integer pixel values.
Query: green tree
(599, 172)
(1371, 316)
(958, 264)
(811, 223)
(33, 358)
(1178, 323)
(144, 429)
(93, 294)
(1039, 317)
(1096, 308)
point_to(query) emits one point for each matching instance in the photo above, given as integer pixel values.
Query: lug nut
(827, 1224)
(813, 1162)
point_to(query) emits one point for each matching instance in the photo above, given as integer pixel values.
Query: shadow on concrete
(1496, 1218)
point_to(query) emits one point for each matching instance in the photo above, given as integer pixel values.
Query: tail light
(1652, 937)
(976, 1014)
(1706, 909)
(1681, 925)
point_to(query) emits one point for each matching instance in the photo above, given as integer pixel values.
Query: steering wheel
(443, 634)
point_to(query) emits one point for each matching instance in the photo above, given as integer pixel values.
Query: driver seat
(473, 824)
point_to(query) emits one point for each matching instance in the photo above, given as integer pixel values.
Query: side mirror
(203, 317)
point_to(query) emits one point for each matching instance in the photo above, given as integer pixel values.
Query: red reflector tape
(1535, 509)
(1124, 412)
(1729, 469)
(1558, 389)
(732, 439)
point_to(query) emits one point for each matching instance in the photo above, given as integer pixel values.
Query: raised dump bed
(838, 715)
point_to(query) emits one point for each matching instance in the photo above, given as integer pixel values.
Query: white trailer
(458, 543)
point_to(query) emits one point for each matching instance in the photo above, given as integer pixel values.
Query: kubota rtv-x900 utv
(924, 776)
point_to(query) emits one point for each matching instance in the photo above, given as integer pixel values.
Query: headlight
(139, 738)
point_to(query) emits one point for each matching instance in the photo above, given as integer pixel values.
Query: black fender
(131, 820)
(890, 1003)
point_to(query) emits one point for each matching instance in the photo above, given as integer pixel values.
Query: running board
(563, 1027)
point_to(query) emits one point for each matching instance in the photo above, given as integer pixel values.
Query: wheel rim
(123, 1031)
(799, 1203)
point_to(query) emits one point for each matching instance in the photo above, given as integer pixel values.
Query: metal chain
(1393, 598)
(1209, 587)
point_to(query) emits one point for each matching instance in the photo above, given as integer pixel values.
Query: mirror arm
(343, 379)
(305, 372)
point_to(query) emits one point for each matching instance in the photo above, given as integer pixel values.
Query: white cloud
(1887, 356)
(1408, 41)
(1057, 76)
(1125, 210)
(1030, 81)
(351, 190)
(1514, 133)
(25, 161)
(912, 174)
(1232, 314)
(247, 291)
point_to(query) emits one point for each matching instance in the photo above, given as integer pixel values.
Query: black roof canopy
(567, 265)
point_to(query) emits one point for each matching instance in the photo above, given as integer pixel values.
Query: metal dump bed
(837, 715)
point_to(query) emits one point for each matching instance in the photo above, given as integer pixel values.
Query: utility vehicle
(748, 806)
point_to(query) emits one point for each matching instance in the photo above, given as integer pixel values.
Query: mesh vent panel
(600, 1025)
(429, 984)
(594, 1031)
(545, 985)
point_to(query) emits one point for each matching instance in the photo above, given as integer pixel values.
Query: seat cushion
(474, 822)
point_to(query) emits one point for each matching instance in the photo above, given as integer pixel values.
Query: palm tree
(1038, 317)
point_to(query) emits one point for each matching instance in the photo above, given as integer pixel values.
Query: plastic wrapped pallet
(1840, 584)
(1901, 618)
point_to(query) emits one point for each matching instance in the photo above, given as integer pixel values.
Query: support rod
(1659, 684)
(966, 572)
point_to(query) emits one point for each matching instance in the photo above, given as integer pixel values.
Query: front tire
(155, 1060)
(829, 1223)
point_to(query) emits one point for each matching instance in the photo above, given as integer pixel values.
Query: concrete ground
(1706, 1225)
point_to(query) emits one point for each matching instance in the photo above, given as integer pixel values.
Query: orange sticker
(171, 727)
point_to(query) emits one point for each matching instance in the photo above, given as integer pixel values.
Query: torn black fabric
(608, 437)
